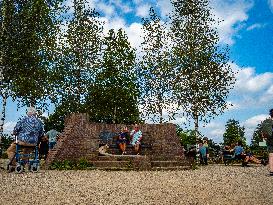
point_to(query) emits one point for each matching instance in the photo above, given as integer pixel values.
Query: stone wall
(80, 139)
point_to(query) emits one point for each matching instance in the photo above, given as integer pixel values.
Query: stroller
(31, 159)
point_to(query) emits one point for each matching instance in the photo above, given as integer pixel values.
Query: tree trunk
(3, 114)
(196, 124)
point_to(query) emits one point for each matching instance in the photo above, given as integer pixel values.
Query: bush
(82, 164)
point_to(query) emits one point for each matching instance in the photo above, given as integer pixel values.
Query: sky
(247, 30)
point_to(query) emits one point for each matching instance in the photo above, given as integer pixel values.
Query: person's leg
(137, 148)
(51, 145)
(120, 146)
(124, 148)
(11, 152)
(205, 160)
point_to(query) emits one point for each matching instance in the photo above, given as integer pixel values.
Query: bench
(110, 138)
(228, 158)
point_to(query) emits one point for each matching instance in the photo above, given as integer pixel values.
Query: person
(267, 134)
(239, 153)
(136, 136)
(52, 138)
(43, 148)
(203, 151)
(28, 131)
(122, 140)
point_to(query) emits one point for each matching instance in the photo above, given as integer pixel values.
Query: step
(118, 157)
(112, 164)
(176, 168)
(167, 163)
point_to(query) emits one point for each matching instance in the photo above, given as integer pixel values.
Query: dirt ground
(213, 184)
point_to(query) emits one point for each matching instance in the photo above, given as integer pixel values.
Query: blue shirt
(203, 151)
(238, 150)
(29, 130)
(52, 135)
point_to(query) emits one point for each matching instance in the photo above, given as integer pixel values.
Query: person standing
(28, 131)
(267, 134)
(52, 138)
(136, 136)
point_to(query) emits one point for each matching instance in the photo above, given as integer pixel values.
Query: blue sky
(247, 29)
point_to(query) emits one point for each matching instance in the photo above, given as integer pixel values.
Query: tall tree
(203, 77)
(7, 12)
(257, 136)
(114, 97)
(234, 133)
(35, 24)
(80, 53)
(155, 69)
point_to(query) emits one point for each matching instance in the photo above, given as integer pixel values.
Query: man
(52, 138)
(28, 131)
(267, 133)
(136, 136)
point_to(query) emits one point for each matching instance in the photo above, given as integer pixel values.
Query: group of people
(29, 132)
(134, 138)
(240, 154)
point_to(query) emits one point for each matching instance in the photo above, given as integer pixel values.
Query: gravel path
(214, 184)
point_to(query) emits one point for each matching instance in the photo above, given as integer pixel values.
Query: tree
(257, 136)
(187, 137)
(7, 12)
(114, 97)
(80, 49)
(35, 29)
(203, 76)
(155, 69)
(234, 133)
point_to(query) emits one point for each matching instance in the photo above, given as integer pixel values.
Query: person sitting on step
(122, 140)
(136, 136)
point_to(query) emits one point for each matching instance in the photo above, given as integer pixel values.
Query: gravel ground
(214, 184)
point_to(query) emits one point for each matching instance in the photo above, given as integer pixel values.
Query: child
(122, 140)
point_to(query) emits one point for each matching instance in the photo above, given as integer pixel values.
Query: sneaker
(271, 174)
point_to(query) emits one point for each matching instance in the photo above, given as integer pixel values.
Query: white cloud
(255, 26)
(135, 33)
(251, 124)
(9, 126)
(122, 6)
(165, 7)
(270, 3)
(143, 10)
(249, 81)
(267, 97)
(107, 9)
(254, 121)
(234, 13)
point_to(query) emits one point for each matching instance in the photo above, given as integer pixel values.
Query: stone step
(112, 164)
(118, 157)
(176, 168)
(167, 163)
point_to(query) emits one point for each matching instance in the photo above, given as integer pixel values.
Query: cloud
(234, 14)
(270, 3)
(9, 126)
(255, 26)
(143, 10)
(122, 6)
(249, 81)
(165, 7)
(267, 97)
(251, 124)
(107, 9)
